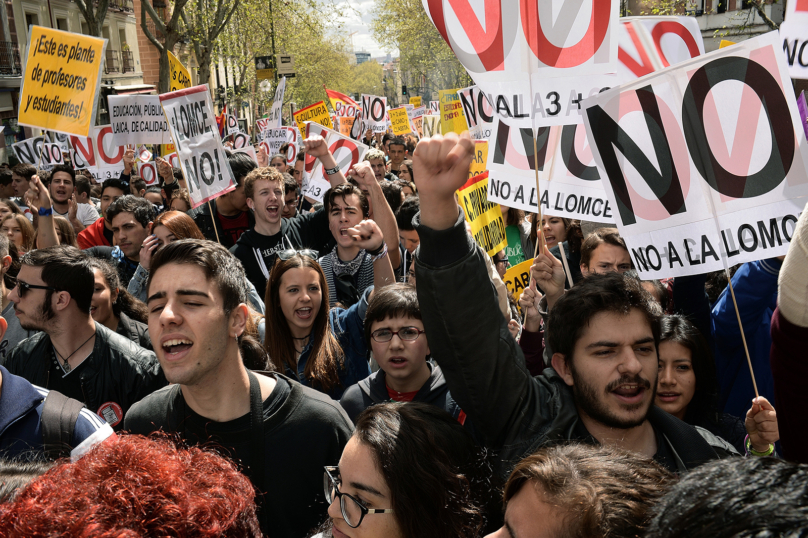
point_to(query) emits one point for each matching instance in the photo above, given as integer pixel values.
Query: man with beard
(62, 189)
(99, 234)
(604, 332)
(73, 354)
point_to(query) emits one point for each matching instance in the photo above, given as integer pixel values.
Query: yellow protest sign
(399, 121)
(61, 82)
(480, 158)
(418, 121)
(517, 278)
(318, 113)
(725, 43)
(179, 76)
(452, 118)
(415, 101)
(165, 149)
(485, 217)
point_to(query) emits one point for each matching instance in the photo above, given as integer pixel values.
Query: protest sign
(418, 123)
(60, 138)
(802, 104)
(452, 119)
(61, 83)
(400, 121)
(478, 164)
(240, 140)
(199, 147)
(318, 113)
(99, 154)
(346, 152)
(484, 217)
(374, 112)
(343, 105)
(794, 34)
(535, 60)
(179, 77)
(249, 151)
(702, 161)
(415, 101)
(478, 112)
(274, 118)
(28, 150)
(172, 159)
(137, 119)
(51, 156)
(148, 171)
(517, 278)
(434, 107)
(345, 125)
(144, 154)
(431, 126)
(231, 122)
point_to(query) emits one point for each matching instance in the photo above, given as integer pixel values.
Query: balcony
(128, 61)
(10, 59)
(112, 65)
(123, 6)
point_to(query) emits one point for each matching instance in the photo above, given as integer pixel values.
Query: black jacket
(514, 413)
(373, 390)
(205, 222)
(135, 331)
(118, 371)
(256, 252)
(126, 268)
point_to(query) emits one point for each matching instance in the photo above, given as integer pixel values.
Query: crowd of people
(271, 365)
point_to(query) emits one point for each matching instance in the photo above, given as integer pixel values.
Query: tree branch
(762, 12)
(145, 27)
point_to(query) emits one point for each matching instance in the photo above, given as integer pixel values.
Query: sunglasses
(288, 253)
(24, 287)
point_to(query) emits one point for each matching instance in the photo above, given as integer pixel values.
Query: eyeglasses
(407, 334)
(353, 510)
(503, 260)
(25, 287)
(290, 252)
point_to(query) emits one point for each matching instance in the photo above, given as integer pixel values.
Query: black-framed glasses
(353, 510)
(290, 252)
(503, 260)
(25, 287)
(407, 334)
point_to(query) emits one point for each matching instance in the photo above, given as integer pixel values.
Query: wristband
(379, 254)
(752, 451)
(378, 250)
(332, 171)
(45, 212)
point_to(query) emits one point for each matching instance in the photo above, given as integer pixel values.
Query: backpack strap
(59, 415)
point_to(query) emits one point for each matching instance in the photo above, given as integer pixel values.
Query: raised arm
(38, 197)
(368, 236)
(483, 366)
(382, 213)
(317, 148)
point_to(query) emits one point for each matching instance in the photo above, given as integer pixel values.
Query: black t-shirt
(664, 456)
(69, 383)
(304, 430)
(108, 234)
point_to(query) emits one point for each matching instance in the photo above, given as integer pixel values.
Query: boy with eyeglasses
(395, 333)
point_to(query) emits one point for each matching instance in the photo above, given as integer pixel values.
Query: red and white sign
(346, 151)
(99, 154)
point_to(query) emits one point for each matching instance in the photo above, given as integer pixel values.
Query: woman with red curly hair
(135, 486)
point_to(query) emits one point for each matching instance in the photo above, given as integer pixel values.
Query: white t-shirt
(86, 214)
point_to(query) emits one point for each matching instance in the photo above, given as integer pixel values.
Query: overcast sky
(363, 40)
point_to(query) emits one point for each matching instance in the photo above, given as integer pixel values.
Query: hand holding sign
(165, 170)
(761, 425)
(529, 302)
(548, 273)
(440, 166)
(37, 195)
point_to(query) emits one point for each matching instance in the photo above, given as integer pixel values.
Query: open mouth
(303, 313)
(397, 362)
(176, 346)
(549, 238)
(272, 210)
(92, 310)
(343, 232)
(630, 393)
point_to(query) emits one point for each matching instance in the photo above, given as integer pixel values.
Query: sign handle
(213, 217)
(743, 336)
(564, 261)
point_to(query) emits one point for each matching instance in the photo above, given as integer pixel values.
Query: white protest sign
(28, 150)
(51, 156)
(193, 128)
(148, 171)
(702, 161)
(172, 159)
(794, 33)
(478, 111)
(431, 125)
(137, 119)
(144, 154)
(535, 60)
(60, 138)
(346, 151)
(249, 151)
(434, 108)
(232, 124)
(345, 111)
(240, 140)
(274, 139)
(99, 154)
(275, 118)
(374, 111)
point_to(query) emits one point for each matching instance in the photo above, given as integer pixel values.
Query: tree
(367, 78)
(170, 31)
(424, 55)
(94, 14)
(204, 21)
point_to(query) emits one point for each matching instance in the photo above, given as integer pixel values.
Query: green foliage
(404, 24)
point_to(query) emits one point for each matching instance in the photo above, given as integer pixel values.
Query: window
(84, 28)
(61, 24)
(31, 19)
(122, 37)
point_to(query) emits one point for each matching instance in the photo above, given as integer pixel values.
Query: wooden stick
(743, 336)
(564, 261)
(213, 217)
